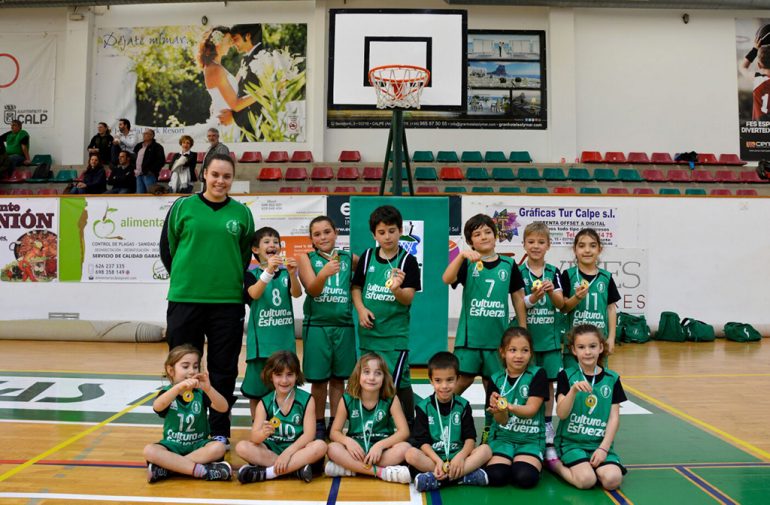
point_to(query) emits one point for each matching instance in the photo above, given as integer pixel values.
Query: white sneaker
(397, 473)
(551, 458)
(550, 433)
(332, 469)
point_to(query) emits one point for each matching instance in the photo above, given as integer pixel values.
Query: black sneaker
(305, 473)
(320, 430)
(251, 473)
(218, 471)
(156, 473)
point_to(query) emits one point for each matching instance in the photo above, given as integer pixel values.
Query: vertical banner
(29, 245)
(247, 80)
(752, 43)
(424, 236)
(27, 78)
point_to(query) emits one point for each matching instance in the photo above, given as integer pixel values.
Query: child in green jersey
(444, 437)
(271, 321)
(186, 447)
(329, 341)
(542, 285)
(588, 399)
(282, 436)
(517, 396)
(375, 443)
(384, 285)
(595, 292)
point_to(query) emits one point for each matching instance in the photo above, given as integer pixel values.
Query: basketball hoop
(398, 85)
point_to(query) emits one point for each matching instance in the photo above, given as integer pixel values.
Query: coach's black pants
(222, 325)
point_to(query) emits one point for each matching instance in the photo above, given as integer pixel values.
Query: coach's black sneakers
(156, 473)
(305, 473)
(251, 473)
(218, 471)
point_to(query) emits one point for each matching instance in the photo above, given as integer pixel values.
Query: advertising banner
(29, 244)
(752, 44)
(27, 78)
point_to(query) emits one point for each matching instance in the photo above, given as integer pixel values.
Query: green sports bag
(697, 331)
(669, 328)
(632, 328)
(741, 332)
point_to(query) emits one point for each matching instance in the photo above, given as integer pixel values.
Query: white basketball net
(398, 85)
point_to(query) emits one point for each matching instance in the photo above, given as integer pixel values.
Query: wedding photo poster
(247, 80)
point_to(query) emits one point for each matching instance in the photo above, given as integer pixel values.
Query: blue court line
(703, 484)
(435, 497)
(619, 498)
(333, 491)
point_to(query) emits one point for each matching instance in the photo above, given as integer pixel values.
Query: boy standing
(384, 285)
(444, 436)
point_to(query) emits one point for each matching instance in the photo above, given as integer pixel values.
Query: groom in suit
(248, 41)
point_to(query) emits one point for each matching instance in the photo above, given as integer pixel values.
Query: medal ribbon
(275, 407)
(591, 397)
(367, 438)
(444, 439)
(504, 391)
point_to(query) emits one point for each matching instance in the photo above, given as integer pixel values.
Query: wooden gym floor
(75, 417)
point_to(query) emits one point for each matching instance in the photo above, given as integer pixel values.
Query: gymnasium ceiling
(628, 4)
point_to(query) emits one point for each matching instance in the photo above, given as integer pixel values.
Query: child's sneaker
(550, 434)
(424, 482)
(156, 473)
(477, 477)
(551, 458)
(223, 439)
(218, 471)
(332, 469)
(305, 473)
(396, 473)
(251, 473)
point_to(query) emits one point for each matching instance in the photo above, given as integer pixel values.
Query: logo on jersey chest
(605, 391)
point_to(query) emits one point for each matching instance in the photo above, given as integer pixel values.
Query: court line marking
(333, 491)
(73, 439)
(161, 499)
(706, 486)
(697, 376)
(618, 497)
(741, 444)
(671, 466)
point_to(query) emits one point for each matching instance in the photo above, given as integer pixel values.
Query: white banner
(27, 78)
(29, 245)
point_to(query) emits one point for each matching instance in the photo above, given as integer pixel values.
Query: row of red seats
(657, 158)
(320, 173)
(278, 157)
(686, 175)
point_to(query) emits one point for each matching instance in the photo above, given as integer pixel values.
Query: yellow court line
(742, 444)
(696, 376)
(704, 489)
(73, 439)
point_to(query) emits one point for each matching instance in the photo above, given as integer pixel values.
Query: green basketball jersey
(593, 308)
(271, 322)
(333, 306)
(590, 413)
(519, 430)
(484, 316)
(291, 427)
(186, 423)
(368, 426)
(444, 428)
(543, 320)
(391, 324)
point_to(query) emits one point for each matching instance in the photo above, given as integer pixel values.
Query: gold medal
(188, 395)
(591, 401)
(336, 257)
(502, 403)
(537, 284)
(445, 467)
(275, 422)
(584, 284)
(368, 467)
(388, 283)
(479, 265)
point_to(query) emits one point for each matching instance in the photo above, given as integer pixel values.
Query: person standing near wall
(205, 245)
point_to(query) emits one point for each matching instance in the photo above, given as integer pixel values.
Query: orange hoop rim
(424, 77)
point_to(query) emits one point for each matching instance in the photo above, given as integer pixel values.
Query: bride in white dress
(221, 84)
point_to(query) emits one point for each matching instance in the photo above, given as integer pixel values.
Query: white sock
(270, 473)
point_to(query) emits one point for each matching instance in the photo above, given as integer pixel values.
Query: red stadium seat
(427, 189)
(296, 174)
(564, 190)
(251, 157)
(591, 157)
(322, 173)
(725, 176)
(317, 189)
(617, 191)
(451, 174)
(653, 175)
(699, 175)
(348, 174)
(750, 176)
(678, 175)
(661, 159)
(644, 191)
(277, 157)
(730, 159)
(370, 189)
(372, 173)
(345, 189)
(746, 192)
(270, 174)
(164, 176)
(21, 192)
(614, 157)
(233, 157)
(350, 156)
(301, 157)
(638, 158)
(721, 192)
(169, 157)
(20, 176)
(201, 156)
(290, 189)
(47, 191)
(707, 159)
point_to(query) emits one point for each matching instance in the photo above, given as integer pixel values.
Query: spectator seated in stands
(125, 140)
(16, 148)
(101, 144)
(150, 158)
(94, 179)
(215, 147)
(183, 167)
(122, 178)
